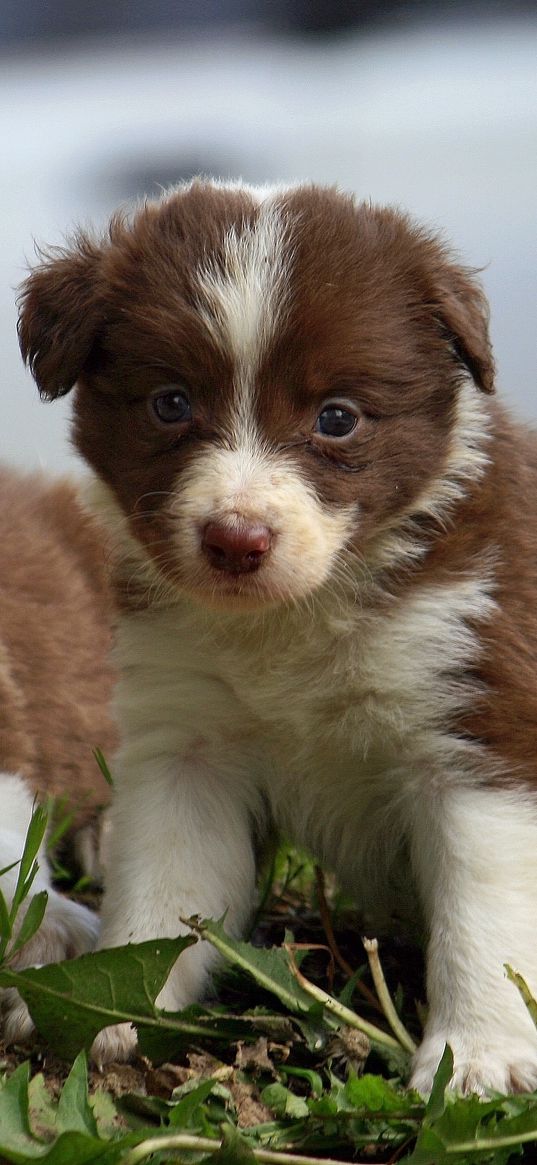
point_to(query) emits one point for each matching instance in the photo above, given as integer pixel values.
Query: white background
(441, 121)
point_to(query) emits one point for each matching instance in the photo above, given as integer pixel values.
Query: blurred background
(429, 105)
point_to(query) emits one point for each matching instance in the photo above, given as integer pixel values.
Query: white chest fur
(335, 716)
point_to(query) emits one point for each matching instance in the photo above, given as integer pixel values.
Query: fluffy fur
(55, 694)
(316, 510)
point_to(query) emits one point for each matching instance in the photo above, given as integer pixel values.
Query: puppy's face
(266, 380)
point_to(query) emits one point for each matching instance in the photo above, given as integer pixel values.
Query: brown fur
(395, 324)
(55, 627)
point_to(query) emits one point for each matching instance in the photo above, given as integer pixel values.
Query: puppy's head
(266, 380)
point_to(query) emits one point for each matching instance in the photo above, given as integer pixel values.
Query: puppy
(326, 557)
(55, 693)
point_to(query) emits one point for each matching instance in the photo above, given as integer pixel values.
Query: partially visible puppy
(55, 694)
(326, 549)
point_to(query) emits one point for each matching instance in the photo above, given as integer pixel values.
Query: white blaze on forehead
(242, 291)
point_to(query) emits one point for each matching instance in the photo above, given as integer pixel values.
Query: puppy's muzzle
(237, 549)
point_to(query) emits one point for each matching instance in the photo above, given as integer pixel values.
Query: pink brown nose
(237, 549)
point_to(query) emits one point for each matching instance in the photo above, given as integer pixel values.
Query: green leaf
(437, 1100)
(105, 1113)
(182, 1114)
(284, 1102)
(234, 1151)
(462, 1119)
(78, 1149)
(313, 1078)
(5, 925)
(74, 1112)
(313, 1028)
(345, 996)
(31, 922)
(175, 1030)
(375, 1094)
(42, 1110)
(429, 1150)
(15, 1132)
(61, 818)
(470, 1122)
(270, 967)
(19, 1146)
(28, 865)
(71, 1002)
(99, 757)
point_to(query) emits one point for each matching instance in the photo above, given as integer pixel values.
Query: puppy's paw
(508, 1065)
(116, 1043)
(67, 930)
(17, 1024)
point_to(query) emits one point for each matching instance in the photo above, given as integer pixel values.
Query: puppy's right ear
(60, 314)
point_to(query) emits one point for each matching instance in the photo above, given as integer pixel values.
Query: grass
(302, 1057)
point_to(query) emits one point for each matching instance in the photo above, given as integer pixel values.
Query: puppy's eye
(172, 408)
(335, 421)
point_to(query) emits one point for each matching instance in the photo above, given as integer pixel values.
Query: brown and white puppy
(326, 551)
(55, 693)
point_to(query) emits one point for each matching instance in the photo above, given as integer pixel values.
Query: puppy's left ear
(463, 313)
(60, 315)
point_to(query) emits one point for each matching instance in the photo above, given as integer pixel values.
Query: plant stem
(348, 1017)
(333, 1006)
(233, 956)
(484, 1144)
(398, 1028)
(326, 919)
(180, 1141)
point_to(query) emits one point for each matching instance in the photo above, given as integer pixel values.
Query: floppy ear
(60, 316)
(462, 310)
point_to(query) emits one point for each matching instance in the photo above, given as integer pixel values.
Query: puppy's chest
(355, 689)
(305, 688)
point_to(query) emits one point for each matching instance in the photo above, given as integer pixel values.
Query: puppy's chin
(246, 593)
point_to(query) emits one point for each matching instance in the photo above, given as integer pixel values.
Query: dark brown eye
(172, 407)
(335, 421)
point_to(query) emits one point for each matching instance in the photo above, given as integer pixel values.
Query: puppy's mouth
(236, 593)
(246, 562)
(233, 565)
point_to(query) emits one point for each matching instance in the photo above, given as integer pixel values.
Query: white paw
(116, 1043)
(17, 1024)
(506, 1065)
(68, 929)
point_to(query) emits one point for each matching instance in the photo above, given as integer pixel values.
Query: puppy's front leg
(475, 855)
(181, 845)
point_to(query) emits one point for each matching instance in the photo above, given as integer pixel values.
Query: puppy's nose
(237, 549)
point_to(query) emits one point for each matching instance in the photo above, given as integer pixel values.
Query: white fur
(280, 717)
(245, 482)
(467, 457)
(466, 461)
(67, 929)
(241, 296)
(475, 856)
